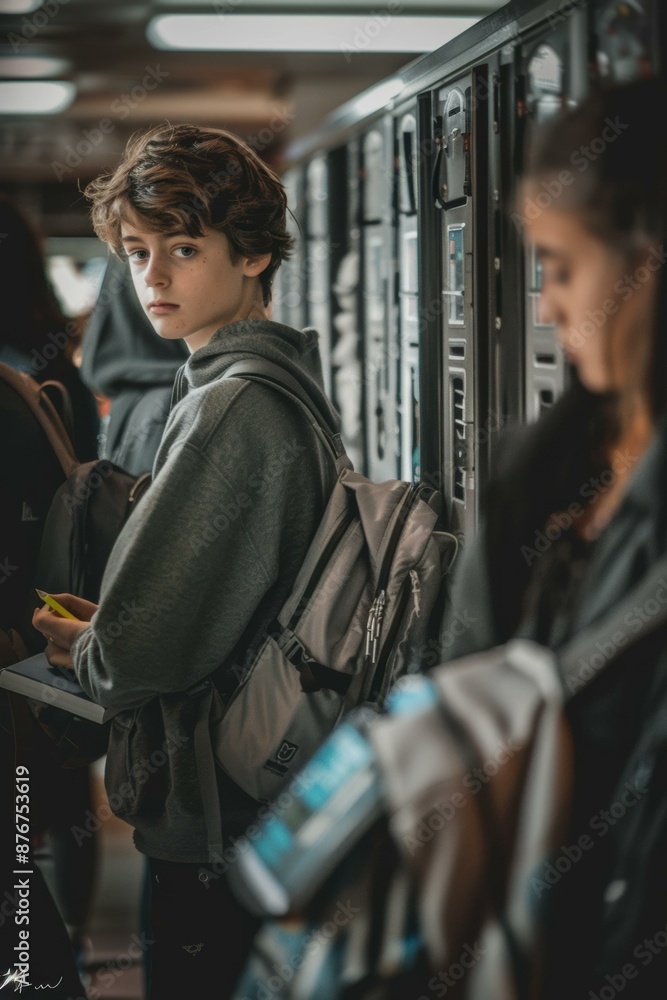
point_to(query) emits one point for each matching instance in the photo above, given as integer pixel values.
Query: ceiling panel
(101, 46)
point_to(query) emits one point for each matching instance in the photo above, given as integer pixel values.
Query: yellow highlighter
(53, 603)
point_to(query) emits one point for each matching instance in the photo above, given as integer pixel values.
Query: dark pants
(202, 936)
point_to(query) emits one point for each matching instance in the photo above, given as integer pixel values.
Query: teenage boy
(240, 483)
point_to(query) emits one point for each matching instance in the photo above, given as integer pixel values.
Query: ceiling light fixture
(378, 97)
(32, 67)
(349, 34)
(34, 97)
(20, 6)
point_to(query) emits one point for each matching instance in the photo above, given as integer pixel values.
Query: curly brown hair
(183, 178)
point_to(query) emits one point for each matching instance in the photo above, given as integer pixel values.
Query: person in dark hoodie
(123, 360)
(240, 484)
(35, 337)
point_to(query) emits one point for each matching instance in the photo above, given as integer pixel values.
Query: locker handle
(409, 172)
(435, 172)
(435, 177)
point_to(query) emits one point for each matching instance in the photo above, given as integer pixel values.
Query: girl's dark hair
(182, 178)
(621, 195)
(30, 308)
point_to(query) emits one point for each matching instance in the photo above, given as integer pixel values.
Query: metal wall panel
(408, 295)
(381, 349)
(289, 293)
(318, 252)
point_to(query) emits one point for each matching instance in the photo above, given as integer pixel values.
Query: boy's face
(188, 286)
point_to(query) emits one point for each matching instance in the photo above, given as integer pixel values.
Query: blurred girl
(577, 515)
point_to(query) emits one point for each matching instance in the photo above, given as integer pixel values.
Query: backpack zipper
(319, 568)
(405, 504)
(378, 607)
(380, 670)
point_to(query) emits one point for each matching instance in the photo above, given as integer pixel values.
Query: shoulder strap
(262, 370)
(64, 406)
(45, 413)
(590, 652)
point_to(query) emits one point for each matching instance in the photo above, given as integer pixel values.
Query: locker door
(347, 303)
(452, 194)
(318, 256)
(552, 75)
(408, 290)
(289, 293)
(499, 262)
(544, 64)
(627, 39)
(381, 352)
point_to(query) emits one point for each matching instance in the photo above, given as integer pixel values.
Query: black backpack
(82, 525)
(59, 520)
(37, 458)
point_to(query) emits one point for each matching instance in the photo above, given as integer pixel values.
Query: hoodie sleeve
(193, 563)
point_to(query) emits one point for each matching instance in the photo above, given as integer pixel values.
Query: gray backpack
(360, 615)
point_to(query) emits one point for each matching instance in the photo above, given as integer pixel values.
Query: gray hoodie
(239, 486)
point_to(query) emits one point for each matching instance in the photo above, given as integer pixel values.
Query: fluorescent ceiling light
(19, 6)
(31, 97)
(349, 34)
(32, 67)
(379, 97)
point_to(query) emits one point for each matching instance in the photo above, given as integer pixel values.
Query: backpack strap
(64, 407)
(590, 652)
(261, 370)
(45, 413)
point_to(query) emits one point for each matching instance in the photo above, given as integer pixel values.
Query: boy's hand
(62, 632)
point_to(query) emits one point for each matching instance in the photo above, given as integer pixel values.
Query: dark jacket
(125, 360)
(608, 910)
(240, 485)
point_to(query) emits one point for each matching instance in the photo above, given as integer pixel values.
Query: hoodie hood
(121, 349)
(297, 351)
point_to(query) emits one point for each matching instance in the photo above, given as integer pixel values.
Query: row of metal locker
(410, 259)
